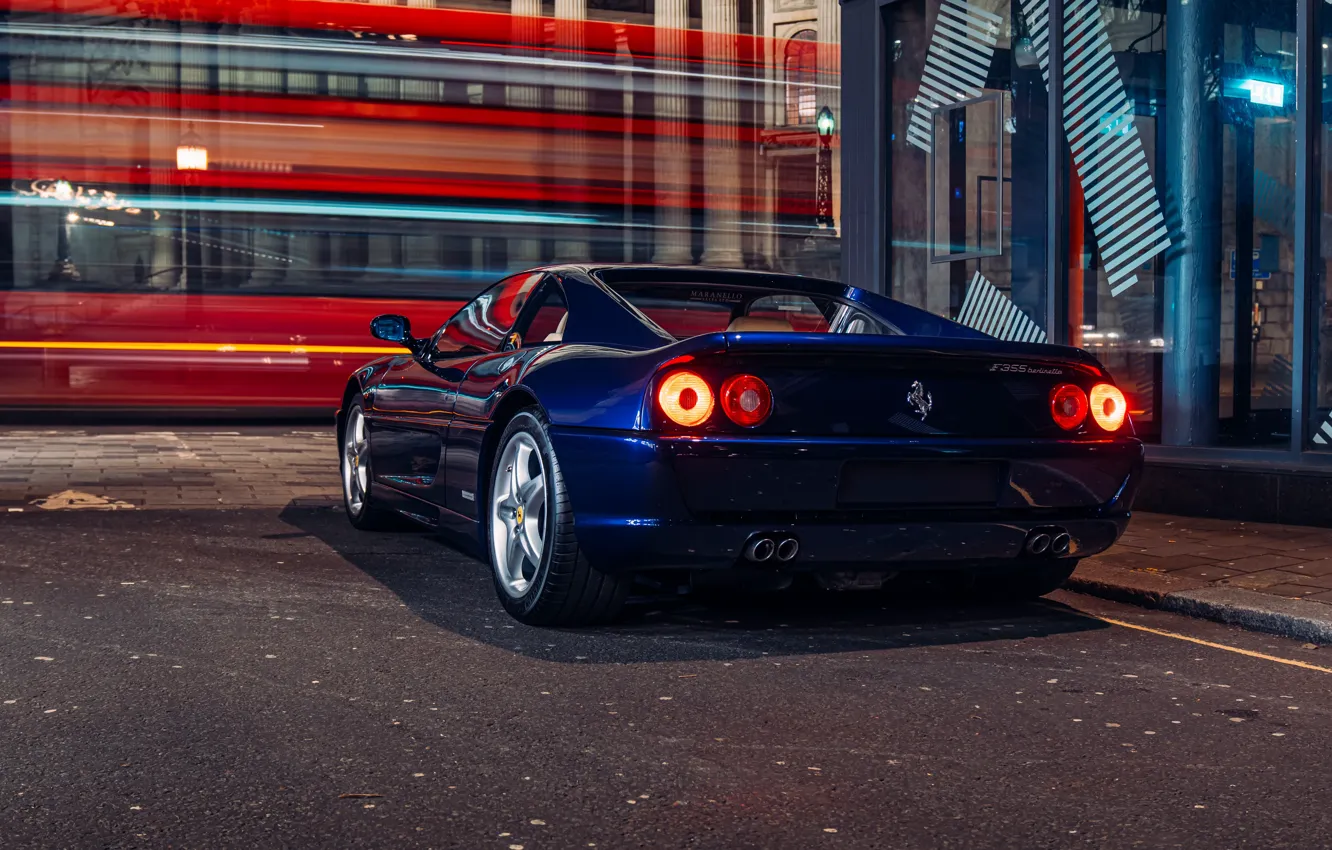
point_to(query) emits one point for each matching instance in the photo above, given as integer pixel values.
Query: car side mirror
(391, 329)
(397, 329)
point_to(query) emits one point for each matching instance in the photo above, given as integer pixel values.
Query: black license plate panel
(905, 484)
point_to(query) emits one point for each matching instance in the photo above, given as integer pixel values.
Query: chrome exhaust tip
(1038, 544)
(760, 549)
(788, 549)
(1060, 544)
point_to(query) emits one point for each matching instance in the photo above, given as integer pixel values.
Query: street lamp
(826, 124)
(191, 155)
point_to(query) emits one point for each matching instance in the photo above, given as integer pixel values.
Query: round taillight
(746, 400)
(1108, 406)
(1068, 406)
(685, 398)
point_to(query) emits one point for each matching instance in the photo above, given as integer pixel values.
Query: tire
(1025, 582)
(363, 510)
(541, 577)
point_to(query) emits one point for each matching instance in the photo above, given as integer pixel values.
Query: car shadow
(452, 590)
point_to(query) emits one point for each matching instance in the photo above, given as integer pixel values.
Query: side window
(547, 321)
(482, 325)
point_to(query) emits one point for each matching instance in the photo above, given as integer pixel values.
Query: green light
(826, 123)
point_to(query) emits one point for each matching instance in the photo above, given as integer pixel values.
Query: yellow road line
(1262, 655)
(214, 347)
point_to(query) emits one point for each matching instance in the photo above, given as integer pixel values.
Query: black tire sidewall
(530, 422)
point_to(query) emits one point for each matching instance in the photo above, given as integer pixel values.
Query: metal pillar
(823, 185)
(1192, 373)
(1308, 220)
(1059, 178)
(865, 151)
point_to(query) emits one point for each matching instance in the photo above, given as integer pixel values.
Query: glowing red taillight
(1108, 406)
(1068, 406)
(746, 400)
(685, 398)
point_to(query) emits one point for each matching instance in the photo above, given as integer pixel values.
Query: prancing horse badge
(920, 399)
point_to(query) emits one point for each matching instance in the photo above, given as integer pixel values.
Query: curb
(1291, 618)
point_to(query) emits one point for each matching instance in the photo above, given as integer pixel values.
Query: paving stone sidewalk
(198, 468)
(180, 468)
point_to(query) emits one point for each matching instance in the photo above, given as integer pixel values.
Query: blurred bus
(208, 201)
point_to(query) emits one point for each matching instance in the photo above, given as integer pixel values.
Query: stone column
(722, 181)
(624, 64)
(670, 19)
(570, 151)
(524, 251)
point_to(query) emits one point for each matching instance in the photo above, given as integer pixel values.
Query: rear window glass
(690, 309)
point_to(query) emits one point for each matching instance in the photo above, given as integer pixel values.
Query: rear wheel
(363, 510)
(1030, 580)
(541, 577)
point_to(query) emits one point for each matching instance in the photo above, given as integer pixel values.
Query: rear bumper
(645, 502)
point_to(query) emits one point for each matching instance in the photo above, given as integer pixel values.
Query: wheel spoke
(521, 458)
(536, 501)
(513, 566)
(513, 476)
(530, 539)
(533, 489)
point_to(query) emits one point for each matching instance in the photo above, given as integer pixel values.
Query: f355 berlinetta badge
(920, 399)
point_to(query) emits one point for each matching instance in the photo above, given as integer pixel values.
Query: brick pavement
(276, 467)
(180, 468)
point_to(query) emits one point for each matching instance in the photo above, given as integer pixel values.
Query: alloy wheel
(518, 514)
(355, 462)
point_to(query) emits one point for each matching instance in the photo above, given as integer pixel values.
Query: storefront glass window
(1320, 426)
(968, 156)
(1181, 211)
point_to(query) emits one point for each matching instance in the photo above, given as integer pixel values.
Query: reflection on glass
(1202, 341)
(968, 165)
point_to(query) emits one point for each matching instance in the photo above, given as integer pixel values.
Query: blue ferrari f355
(588, 424)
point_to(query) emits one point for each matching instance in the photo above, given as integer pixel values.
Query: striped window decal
(956, 65)
(990, 311)
(1323, 436)
(1098, 122)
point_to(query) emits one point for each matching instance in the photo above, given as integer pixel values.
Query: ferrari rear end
(847, 454)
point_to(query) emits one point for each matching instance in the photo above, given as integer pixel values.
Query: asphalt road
(235, 679)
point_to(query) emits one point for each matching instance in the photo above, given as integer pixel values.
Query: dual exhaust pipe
(765, 547)
(1051, 542)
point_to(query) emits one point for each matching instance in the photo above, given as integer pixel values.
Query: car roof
(911, 321)
(613, 273)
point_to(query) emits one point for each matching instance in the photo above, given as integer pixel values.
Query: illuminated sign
(1265, 93)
